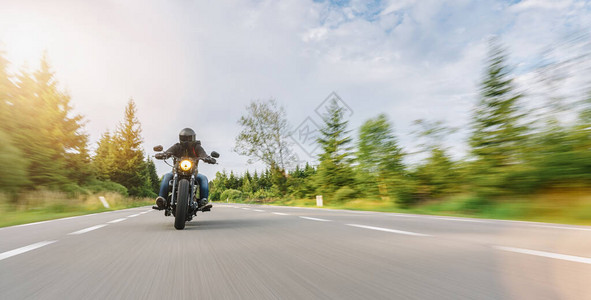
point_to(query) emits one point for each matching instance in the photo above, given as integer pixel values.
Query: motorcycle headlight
(186, 165)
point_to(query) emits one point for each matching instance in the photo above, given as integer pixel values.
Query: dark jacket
(179, 150)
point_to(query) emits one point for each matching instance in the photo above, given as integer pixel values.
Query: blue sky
(199, 63)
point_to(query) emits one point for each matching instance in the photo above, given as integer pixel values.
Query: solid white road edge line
(562, 227)
(388, 230)
(458, 219)
(67, 218)
(85, 230)
(24, 249)
(280, 214)
(572, 258)
(315, 219)
(117, 221)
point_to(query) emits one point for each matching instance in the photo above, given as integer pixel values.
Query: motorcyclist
(187, 146)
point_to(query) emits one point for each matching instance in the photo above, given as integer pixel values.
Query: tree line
(513, 149)
(44, 144)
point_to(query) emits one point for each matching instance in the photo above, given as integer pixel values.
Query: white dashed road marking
(117, 220)
(24, 249)
(85, 230)
(388, 230)
(315, 219)
(280, 214)
(259, 210)
(572, 258)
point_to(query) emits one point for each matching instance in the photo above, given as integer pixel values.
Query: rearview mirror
(158, 148)
(215, 154)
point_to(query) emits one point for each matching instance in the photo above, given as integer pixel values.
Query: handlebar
(164, 155)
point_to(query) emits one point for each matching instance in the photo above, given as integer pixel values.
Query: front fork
(172, 203)
(192, 202)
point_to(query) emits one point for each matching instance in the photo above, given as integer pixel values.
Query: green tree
(103, 162)
(153, 175)
(246, 187)
(131, 170)
(498, 130)
(218, 185)
(264, 135)
(47, 132)
(334, 170)
(300, 182)
(437, 176)
(13, 173)
(379, 157)
(233, 182)
(7, 88)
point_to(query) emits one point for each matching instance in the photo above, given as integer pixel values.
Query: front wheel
(182, 204)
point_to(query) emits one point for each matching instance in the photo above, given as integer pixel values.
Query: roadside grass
(48, 205)
(564, 206)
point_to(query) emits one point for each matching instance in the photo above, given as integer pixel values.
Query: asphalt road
(268, 252)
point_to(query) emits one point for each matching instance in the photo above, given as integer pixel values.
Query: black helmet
(187, 135)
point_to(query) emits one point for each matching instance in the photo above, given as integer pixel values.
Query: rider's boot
(204, 204)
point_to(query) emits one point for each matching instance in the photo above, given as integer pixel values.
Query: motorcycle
(182, 201)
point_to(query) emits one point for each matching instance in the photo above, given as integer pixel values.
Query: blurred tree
(13, 173)
(79, 163)
(498, 130)
(437, 176)
(334, 170)
(279, 180)
(379, 157)
(300, 182)
(47, 132)
(7, 89)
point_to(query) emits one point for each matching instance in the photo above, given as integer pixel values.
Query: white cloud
(541, 4)
(396, 5)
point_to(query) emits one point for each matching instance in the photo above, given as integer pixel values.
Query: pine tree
(255, 182)
(498, 132)
(334, 171)
(233, 182)
(7, 88)
(152, 175)
(103, 162)
(47, 131)
(13, 173)
(438, 175)
(131, 170)
(379, 157)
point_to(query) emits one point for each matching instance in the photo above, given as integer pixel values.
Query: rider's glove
(209, 160)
